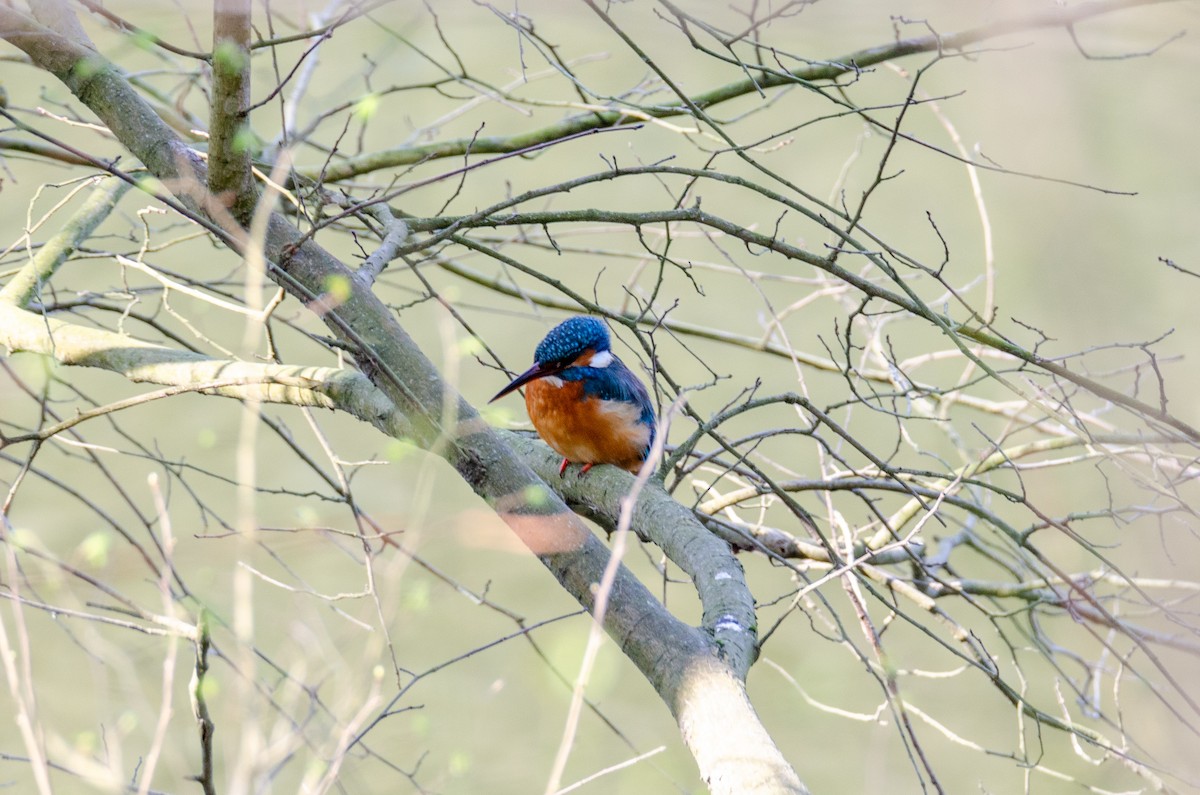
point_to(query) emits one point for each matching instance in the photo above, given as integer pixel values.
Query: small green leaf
(86, 743)
(142, 39)
(366, 107)
(228, 56)
(420, 724)
(460, 763)
(497, 414)
(24, 537)
(338, 288)
(307, 517)
(536, 495)
(127, 722)
(398, 450)
(470, 346)
(416, 597)
(94, 548)
(151, 185)
(245, 140)
(209, 688)
(89, 67)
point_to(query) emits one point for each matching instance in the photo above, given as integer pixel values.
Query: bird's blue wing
(616, 382)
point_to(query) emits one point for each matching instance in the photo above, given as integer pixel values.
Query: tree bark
(230, 178)
(698, 672)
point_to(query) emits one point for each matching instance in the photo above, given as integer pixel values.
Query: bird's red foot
(563, 467)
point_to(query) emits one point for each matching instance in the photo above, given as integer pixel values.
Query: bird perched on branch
(584, 402)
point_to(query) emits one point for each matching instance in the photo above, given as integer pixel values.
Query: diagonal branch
(27, 283)
(831, 69)
(905, 300)
(699, 673)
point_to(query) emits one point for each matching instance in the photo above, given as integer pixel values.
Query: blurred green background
(1080, 265)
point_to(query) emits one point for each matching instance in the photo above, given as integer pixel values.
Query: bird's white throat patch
(553, 381)
(601, 360)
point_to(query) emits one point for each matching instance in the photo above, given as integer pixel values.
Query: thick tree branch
(704, 557)
(695, 672)
(145, 362)
(229, 167)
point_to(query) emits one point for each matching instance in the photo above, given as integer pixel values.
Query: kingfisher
(585, 403)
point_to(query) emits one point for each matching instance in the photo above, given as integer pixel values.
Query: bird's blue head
(570, 338)
(565, 343)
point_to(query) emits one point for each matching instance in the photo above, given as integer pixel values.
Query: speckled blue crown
(572, 337)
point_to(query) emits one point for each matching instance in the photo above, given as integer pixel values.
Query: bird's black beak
(533, 373)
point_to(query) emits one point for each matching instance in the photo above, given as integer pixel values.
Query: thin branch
(830, 69)
(26, 285)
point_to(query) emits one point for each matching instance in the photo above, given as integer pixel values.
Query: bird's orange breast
(584, 429)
